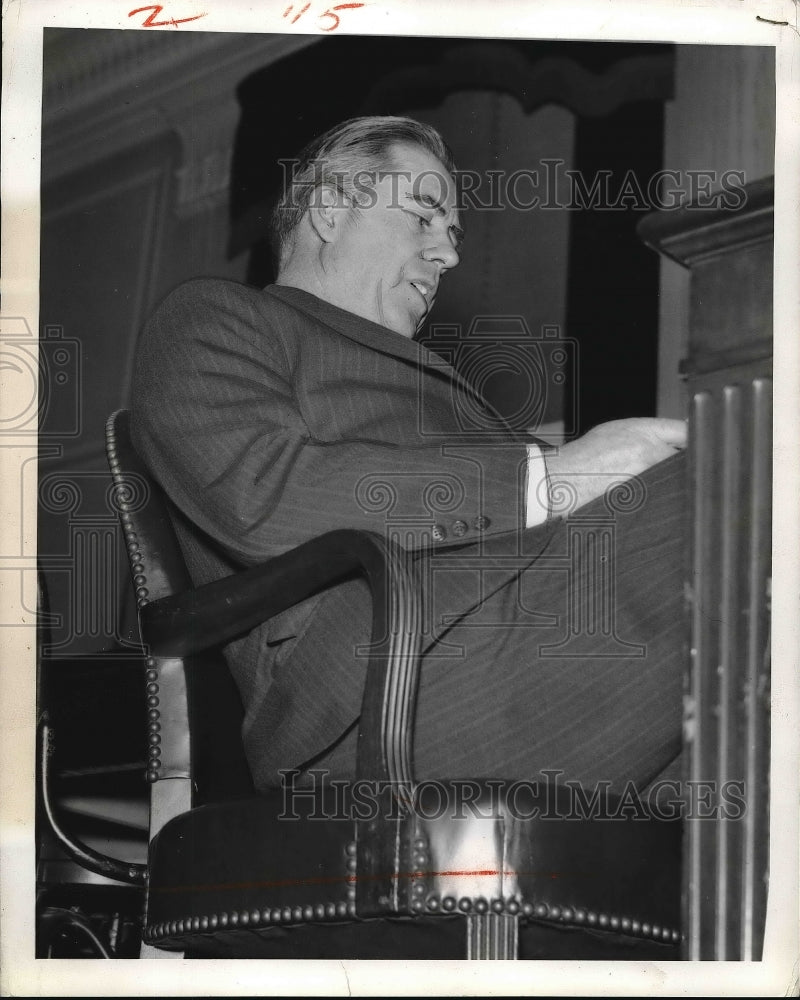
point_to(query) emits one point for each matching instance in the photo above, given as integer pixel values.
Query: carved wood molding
(118, 89)
(712, 361)
(691, 234)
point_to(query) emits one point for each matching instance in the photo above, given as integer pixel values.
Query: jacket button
(438, 533)
(460, 528)
(481, 523)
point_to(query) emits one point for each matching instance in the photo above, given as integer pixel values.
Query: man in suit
(271, 416)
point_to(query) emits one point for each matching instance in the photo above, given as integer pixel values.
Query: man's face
(390, 254)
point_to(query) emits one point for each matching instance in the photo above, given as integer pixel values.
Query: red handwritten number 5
(156, 10)
(336, 18)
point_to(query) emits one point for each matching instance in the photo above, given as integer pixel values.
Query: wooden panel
(727, 706)
(722, 118)
(740, 288)
(727, 714)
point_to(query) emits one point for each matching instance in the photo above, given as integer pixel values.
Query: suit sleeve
(216, 419)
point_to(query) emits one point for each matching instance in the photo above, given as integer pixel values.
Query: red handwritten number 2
(155, 10)
(328, 13)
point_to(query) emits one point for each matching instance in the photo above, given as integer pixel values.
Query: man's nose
(443, 253)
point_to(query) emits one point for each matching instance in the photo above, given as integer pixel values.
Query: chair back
(212, 711)
(157, 565)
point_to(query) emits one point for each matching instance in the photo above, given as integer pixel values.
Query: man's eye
(421, 221)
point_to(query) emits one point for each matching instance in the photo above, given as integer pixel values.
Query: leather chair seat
(271, 876)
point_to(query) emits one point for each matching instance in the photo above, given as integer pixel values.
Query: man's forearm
(608, 454)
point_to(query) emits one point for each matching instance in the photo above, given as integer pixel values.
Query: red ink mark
(298, 15)
(156, 10)
(328, 13)
(339, 6)
(338, 879)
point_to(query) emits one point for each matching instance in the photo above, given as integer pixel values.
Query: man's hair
(357, 146)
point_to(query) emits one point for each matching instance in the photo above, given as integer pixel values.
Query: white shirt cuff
(537, 493)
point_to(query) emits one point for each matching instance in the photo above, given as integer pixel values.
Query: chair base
(410, 939)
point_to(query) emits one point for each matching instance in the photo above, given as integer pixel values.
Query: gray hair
(356, 146)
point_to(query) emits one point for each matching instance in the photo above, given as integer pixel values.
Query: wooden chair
(379, 867)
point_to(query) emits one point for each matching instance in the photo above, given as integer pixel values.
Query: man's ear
(326, 211)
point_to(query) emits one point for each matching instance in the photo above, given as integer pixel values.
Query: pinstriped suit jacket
(270, 417)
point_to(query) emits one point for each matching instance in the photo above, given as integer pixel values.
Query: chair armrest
(217, 612)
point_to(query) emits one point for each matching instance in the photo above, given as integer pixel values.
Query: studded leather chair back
(156, 562)
(216, 759)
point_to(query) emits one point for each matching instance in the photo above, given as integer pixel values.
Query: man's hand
(610, 453)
